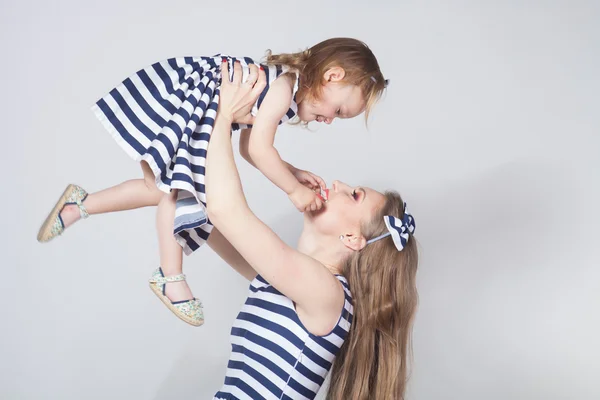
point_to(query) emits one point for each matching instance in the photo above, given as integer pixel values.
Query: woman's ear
(354, 242)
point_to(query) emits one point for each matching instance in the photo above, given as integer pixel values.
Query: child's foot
(68, 209)
(70, 214)
(178, 291)
(174, 292)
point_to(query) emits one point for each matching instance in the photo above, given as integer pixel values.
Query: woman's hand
(236, 99)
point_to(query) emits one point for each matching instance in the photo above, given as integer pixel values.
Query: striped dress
(164, 114)
(272, 355)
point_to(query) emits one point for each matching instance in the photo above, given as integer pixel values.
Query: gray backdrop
(489, 130)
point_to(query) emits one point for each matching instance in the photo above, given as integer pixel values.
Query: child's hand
(305, 199)
(308, 179)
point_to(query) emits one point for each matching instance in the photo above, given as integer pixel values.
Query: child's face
(338, 100)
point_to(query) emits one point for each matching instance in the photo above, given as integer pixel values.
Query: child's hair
(355, 57)
(373, 362)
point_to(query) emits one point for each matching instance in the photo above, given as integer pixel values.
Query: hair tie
(386, 82)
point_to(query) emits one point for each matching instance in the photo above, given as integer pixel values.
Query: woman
(347, 293)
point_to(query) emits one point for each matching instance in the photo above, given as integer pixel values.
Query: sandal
(53, 226)
(189, 311)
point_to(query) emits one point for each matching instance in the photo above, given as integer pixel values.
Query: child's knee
(150, 183)
(149, 178)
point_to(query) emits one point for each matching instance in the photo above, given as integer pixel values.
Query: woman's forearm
(224, 189)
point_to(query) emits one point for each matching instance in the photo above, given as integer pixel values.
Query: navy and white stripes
(399, 229)
(272, 355)
(164, 115)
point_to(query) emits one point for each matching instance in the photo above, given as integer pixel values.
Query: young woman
(347, 293)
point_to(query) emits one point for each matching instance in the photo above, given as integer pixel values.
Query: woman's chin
(315, 214)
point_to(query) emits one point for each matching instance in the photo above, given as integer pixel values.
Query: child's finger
(318, 202)
(318, 180)
(321, 182)
(311, 179)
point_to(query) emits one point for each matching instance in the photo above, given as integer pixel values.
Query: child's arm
(265, 157)
(260, 143)
(245, 143)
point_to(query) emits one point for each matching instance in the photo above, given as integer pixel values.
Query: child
(163, 116)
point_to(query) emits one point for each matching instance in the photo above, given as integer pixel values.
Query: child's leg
(171, 253)
(128, 195)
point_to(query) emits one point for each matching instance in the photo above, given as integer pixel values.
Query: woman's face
(346, 209)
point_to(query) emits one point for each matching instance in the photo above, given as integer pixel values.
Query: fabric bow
(399, 229)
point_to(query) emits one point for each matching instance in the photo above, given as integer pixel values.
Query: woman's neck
(325, 249)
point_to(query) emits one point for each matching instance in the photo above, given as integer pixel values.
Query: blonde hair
(355, 57)
(373, 361)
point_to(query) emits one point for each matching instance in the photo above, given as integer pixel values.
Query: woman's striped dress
(164, 115)
(272, 355)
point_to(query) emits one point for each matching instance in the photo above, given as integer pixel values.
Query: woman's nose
(338, 185)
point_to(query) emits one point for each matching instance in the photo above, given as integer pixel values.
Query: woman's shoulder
(345, 284)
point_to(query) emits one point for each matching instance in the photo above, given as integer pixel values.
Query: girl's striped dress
(272, 355)
(164, 115)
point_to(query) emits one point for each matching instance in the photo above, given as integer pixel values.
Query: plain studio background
(489, 130)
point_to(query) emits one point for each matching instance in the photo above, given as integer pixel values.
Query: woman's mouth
(323, 195)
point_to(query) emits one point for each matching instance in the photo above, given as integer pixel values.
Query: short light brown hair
(358, 61)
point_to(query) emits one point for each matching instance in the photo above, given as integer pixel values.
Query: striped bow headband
(399, 229)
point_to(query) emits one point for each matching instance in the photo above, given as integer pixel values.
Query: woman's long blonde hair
(358, 61)
(373, 361)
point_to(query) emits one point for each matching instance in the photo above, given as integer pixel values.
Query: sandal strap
(80, 196)
(167, 279)
(77, 197)
(82, 210)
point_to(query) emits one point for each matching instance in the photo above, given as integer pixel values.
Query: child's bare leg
(171, 253)
(129, 195)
